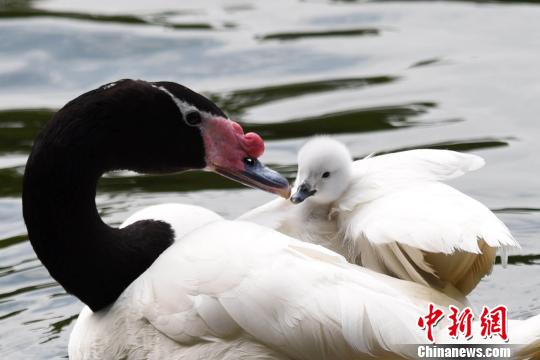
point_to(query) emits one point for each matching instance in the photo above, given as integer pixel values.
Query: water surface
(380, 76)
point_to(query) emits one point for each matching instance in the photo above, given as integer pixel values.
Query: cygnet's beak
(302, 193)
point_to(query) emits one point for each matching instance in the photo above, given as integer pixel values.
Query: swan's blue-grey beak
(304, 191)
(258, 176)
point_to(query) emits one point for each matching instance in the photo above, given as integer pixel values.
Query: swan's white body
(392, 214)
(235, 290)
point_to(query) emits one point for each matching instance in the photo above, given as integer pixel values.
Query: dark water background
(380, 76)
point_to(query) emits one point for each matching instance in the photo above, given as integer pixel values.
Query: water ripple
(288, 36)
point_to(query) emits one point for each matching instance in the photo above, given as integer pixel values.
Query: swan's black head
(159, 127)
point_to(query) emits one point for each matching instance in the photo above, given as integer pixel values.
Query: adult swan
(178, 281)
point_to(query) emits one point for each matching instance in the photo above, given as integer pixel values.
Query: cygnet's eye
(325, 175)
(193, 118)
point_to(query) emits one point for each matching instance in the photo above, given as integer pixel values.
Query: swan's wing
(273, 214)
(422, 164)
(433, 217)
(232, 279)
(283, 216)
(375, 176)
(410, 232)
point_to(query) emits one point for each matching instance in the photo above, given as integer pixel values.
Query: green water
(380, 76)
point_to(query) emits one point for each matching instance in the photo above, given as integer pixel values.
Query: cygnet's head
(324, 170)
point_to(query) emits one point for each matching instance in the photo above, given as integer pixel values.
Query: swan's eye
(326, 174)
(193, 118)
(249, 161)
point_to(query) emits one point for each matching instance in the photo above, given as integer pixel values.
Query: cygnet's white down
(392, 214)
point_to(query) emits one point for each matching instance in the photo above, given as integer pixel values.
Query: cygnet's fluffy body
(392, 214)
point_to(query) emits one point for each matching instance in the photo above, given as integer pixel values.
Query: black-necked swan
(178, 281)
(392, 214)
(158, 127)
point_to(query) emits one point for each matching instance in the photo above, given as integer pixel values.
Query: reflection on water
(238, 100)
(380, 76)
(327, 33)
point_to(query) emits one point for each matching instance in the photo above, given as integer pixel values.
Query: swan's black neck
(91, 260)
(89, 136)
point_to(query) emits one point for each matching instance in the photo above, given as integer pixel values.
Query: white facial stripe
(183, 106)
(108, 86)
